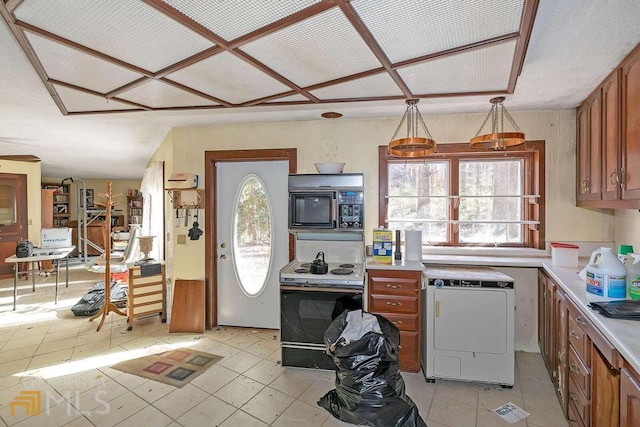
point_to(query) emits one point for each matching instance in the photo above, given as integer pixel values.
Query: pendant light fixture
(498, 139)
(412, 146)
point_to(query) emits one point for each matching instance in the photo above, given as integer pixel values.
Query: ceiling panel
(231, 19)
(80, 69)
(381, 84)
(157, 94)
(407, 29)
(478, 70)
(78, 101)
(323, 47)
(128, 30)
(227, 77)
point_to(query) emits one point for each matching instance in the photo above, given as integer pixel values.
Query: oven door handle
(320, 289)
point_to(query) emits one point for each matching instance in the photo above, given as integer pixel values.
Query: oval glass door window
(252, 236)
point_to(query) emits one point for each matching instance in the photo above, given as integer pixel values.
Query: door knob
(223, 257)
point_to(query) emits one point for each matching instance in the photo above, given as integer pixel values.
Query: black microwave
(316, 203)
(331, 209)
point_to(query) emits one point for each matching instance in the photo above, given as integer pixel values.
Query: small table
(41, 254)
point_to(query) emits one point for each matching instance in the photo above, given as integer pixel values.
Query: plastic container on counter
(633, 275)
(606, 276)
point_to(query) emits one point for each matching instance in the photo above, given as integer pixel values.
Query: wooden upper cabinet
(589, 146)
(582, 155)
(631, 126)
(611, 163)
(608, 140)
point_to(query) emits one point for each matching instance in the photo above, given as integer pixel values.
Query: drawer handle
(397, 322)
(574, 335)
(393, 286)
(573, 368)
(579, 321)
(393, 303)
(399, 347)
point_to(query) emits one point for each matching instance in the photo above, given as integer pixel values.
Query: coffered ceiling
(123, 72)
(124, 55)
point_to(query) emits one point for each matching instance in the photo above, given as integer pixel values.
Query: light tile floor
(45, 347)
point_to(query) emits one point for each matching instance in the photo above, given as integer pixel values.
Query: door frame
(210, 214)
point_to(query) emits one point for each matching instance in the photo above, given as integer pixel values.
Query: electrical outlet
(182, 239)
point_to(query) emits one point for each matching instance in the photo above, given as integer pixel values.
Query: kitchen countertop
(623, 334)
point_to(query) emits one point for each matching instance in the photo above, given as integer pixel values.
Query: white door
(252, 241)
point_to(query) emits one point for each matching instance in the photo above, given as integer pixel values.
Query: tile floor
(45, 347)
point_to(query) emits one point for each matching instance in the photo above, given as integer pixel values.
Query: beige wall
(118, 186)
(627, 228)
(34, 200)
(355, 142)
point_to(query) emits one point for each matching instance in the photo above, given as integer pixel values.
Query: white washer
(469, 325)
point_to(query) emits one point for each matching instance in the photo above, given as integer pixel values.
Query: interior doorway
(213, 159)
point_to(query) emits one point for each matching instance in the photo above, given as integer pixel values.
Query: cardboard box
(55, 238)
(382, 246)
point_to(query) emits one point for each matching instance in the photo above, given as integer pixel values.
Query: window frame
(533, 154)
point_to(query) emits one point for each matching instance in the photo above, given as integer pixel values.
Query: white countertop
(623, 334)
(493, 261)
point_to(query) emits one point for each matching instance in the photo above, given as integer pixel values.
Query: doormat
(175, 367)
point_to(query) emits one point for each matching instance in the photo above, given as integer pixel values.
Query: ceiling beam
(32, 57)
(188, 22)
(361, 28)
(66, 42)
(98, 94)
(196, 92)
(12, 5)
(529, 12)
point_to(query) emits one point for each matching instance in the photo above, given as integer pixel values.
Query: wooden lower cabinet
(396, 295)
(588, 380)
(629, 397)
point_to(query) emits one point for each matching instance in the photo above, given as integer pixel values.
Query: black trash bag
(91, 302)
(369, 388)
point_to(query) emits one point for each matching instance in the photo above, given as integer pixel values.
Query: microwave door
(312, 210)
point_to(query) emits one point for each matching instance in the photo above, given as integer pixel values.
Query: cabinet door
(595, 143)
(582, 154)
(629, 399)
(605, 386)
(631, 126)
(611, 177)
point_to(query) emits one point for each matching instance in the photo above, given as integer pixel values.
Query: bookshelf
(61, 209)
(134, 207)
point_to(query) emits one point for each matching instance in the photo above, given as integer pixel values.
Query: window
(467, 197)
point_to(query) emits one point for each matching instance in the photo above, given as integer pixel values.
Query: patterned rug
(174, 367)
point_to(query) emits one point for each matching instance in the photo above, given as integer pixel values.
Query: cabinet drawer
(578, 372)
(578, 337)
(404, 322)
(393, 304)
(579, 401)
(408, 351)
(574, 417)
(394, 285)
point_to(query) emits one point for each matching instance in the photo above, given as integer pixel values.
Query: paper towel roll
(413, 245)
